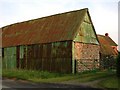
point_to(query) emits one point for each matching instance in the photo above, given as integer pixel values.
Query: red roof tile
(106, 45)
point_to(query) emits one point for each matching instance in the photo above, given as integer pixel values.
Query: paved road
(23, 85)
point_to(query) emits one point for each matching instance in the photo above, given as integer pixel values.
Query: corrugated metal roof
(106, 45)
(59, 27)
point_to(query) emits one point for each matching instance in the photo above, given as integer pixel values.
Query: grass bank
(108, 78)
(28, 74)
(43, 76)
(109, 82)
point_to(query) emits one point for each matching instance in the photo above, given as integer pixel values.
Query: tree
(118, 65)
(118, 69)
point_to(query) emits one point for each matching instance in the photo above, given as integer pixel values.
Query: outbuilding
(65, 42)
(108, 51)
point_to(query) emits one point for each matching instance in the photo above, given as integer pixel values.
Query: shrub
(118, 65)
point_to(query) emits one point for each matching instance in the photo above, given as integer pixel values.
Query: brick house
(108, 51)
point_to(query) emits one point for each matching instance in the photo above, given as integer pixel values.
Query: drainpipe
(73, 59)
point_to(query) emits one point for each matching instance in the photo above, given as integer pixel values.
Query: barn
(65, 43)
(108, 51)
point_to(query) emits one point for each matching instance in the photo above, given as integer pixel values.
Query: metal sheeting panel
(53, 57)
(86, 32)
(60, 27)
(9, 59)
(21, 61)
(86, 18)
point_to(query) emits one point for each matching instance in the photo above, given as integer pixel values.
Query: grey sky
(104, 13)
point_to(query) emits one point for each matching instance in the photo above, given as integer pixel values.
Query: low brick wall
(86, 64)
(86, 56)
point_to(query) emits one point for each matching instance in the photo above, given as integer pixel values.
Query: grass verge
(109, 82)
(42, 76)
(27, 74)
(95, 76)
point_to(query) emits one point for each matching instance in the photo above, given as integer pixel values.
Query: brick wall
(86, 56)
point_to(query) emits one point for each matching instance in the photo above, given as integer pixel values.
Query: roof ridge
(45, 17)
(58, 27)
(108, 39)
(100, 35)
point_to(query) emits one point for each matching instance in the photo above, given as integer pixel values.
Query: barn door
(9, 61)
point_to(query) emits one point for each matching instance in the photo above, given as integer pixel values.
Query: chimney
(106, 34)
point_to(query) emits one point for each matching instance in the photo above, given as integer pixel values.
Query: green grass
(108, 78)
(95, 76)
(81, 78)
(54, 80)
(109, 82)
(43, 76)
(25, 74)
(37, 76)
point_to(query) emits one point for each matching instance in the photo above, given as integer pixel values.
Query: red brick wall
(86, 56)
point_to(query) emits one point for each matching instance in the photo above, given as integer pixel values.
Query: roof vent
(106, 34)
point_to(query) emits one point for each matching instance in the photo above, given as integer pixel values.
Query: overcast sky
(104, 13)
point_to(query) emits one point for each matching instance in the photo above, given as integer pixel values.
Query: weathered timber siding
(86, 56)
(9, 58)
(53, 57)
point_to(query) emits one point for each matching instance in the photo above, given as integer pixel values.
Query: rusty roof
(105, 45)
(59, 27)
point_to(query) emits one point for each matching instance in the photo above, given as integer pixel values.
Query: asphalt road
(8, 84)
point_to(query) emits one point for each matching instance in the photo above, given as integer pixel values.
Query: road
(23, 85)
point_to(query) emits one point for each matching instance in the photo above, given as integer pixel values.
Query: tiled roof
(106, 45)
